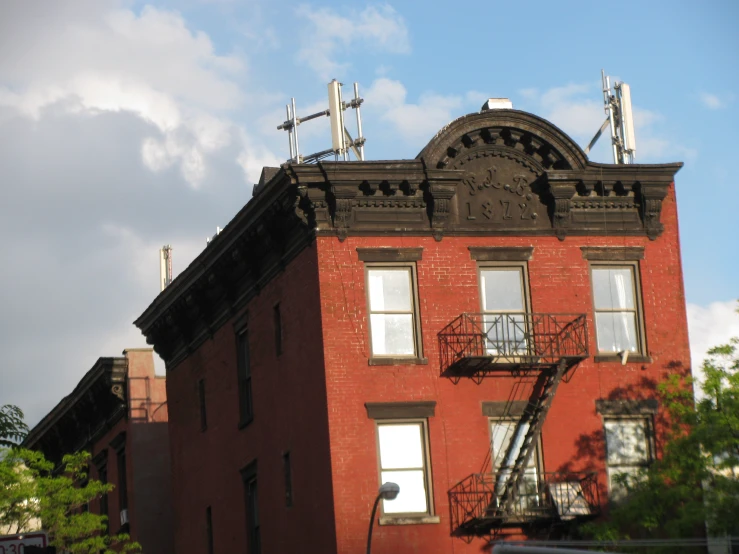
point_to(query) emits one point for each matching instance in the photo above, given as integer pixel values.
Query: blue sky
(128, 125)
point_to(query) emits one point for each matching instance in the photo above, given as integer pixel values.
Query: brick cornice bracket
(562, 191)
(343, 197)
(441, 190)
(652, 195)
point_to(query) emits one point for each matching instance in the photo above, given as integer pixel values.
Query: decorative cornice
(96, 404)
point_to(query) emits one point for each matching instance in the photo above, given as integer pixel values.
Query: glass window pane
(626, 442)
(392, 334)
(412, 495)
(613, 288)
(505, 334)
(616, 331)
(400, 446)
(618, 477)
(390, 290)
(502, 290)
(503, 432)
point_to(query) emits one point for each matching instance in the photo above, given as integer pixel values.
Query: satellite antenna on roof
(341, 140)
(617, 105)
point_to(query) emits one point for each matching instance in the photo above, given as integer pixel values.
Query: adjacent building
(118, 413)
(484, 325)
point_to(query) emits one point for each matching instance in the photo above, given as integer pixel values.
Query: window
(616, 303)
(404, 460)
(201, 399)
(246, 408)
(505, 432)
(277, 317)
(288, 470)
(249, 478)
(628, 450)
(209, 529)
(122, 481)
(103, 478)
(504, 303)
(392, 308)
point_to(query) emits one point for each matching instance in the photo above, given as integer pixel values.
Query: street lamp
(387, 491)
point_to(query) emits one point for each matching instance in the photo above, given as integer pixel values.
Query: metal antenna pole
(290, 132)
(295, 131)
(609, 112)
(360, 138)
(345, 151)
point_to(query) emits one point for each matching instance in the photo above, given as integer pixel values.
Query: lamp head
(388, 491)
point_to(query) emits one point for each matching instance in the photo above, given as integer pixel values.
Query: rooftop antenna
(165, 266)
(620, 117)
(211, 239)
(341, 141)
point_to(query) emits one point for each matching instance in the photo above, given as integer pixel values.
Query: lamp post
(387, 491)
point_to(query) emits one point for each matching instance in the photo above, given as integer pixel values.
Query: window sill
(635, 358)
(246, 422)
(409, 520)
(398, 361)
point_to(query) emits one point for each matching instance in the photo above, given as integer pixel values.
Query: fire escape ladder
(535, 414)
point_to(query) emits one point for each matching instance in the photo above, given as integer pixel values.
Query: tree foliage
(12, 427)
(696, 481)
(30, 491)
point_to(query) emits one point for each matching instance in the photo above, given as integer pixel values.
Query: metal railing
(546, 497)
(475, 343)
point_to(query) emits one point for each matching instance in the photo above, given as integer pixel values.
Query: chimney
(497, 104)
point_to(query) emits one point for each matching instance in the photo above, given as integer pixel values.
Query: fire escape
(543, 346)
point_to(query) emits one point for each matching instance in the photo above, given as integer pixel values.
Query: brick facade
(311, 399)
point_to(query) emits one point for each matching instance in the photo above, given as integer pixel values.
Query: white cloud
(712, 101)
(710, 326)
(332, 36)
(419, 121)
(114, 60)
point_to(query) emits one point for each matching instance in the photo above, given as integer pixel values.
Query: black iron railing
(474, 344)
(542, 498)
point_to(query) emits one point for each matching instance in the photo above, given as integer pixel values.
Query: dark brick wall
(290, 413)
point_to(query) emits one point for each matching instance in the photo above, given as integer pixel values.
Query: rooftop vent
(497, 104)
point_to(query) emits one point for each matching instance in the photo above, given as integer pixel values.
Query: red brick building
(118, 412)
(411, 321)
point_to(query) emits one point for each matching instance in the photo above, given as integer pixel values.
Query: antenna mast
(165, 266)
(620, 118)
(341, 141)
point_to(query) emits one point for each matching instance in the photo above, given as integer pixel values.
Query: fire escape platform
(480, 345)
(553, 498)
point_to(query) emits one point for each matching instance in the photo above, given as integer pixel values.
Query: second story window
(616, 308)
(277, 319)
(201, 403)
(392, 311)
(243, 369)
(504, 305)
(507, 438)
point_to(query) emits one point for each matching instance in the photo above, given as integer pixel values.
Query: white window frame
(535, 466)
(522, 267)
(422, 424)
(637, 310)
(615, 491)
(410, 268)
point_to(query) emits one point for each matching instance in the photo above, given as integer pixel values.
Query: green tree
(12, 427)
(30, 491)
(696, 481)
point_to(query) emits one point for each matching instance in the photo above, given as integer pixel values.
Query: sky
(126, 125)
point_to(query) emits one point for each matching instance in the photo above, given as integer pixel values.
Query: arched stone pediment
(534, 139)
(504, 155)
